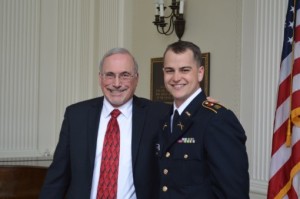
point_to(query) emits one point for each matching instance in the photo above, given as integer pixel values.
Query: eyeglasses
(124, 76)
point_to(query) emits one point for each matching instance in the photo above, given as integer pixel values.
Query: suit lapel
(138, 120)
(93, 125)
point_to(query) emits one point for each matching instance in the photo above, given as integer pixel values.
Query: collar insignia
(180, 125)
(188, 113)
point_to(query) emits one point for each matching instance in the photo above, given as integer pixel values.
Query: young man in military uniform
(203, 154)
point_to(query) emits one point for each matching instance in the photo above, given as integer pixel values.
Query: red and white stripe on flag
(285, 162)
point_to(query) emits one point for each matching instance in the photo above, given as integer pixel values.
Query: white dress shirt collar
(126, 109)
(187, 102)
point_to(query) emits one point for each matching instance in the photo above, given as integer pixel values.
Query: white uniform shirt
(185, 103)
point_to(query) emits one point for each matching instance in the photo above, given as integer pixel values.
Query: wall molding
(263, 23)
(50, 52)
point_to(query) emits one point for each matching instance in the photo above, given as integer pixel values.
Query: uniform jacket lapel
(166, 136)
(186, 121)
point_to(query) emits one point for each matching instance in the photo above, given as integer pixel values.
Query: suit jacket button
(185, 156)
(168, 154)
(166, 171)
(165, 188)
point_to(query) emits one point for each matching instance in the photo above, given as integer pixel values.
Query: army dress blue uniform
(206, 158)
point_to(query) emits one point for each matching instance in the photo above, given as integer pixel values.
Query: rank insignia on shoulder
(211, 106)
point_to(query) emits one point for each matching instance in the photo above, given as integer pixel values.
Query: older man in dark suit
(201, 146)
(83, 166)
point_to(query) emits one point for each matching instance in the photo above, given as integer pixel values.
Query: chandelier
(175, 19)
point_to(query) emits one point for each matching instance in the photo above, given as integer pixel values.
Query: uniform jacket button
(185, 156)
(166, 171)
(165, 188)
(168, 154)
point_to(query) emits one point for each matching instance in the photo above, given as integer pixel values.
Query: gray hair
(114, 51)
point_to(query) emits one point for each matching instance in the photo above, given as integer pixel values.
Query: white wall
(50, 51)
(216, 29)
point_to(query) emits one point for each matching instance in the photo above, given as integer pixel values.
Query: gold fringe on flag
(295, 115)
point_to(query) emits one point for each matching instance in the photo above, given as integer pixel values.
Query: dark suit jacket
(71, 172)
(207, 158)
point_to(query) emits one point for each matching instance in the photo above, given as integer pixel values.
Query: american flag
(285, 162)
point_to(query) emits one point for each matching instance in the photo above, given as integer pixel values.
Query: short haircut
(181, 46)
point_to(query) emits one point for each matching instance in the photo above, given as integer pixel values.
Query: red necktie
(107, 186)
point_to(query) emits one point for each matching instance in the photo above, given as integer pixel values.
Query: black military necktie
(175, 122)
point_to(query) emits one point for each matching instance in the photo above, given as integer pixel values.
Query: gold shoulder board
(212, 106)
